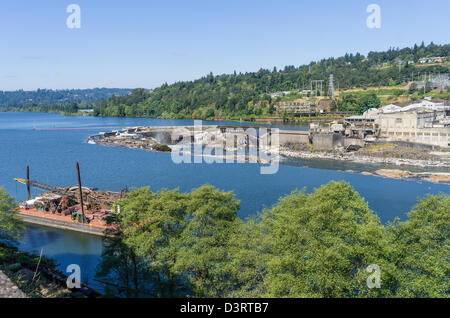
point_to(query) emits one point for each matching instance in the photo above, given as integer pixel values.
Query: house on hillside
(435, 59)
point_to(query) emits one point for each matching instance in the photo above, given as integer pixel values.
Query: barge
(74, 208)
(34, 216)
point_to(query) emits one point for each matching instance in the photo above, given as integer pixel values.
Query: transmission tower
(331, 86)
(316, 83)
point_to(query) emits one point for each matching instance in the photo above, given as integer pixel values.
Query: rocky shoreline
(434, 177)
(364, 159)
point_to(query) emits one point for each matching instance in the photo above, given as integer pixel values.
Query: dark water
(51, 155)
(66, 247)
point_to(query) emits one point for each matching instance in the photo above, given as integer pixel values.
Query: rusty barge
(75, 208)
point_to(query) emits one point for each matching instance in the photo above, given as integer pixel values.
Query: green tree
(123, 272)
(10, 225)
(319, 245)
(421, 249)
(368, 101)
(146, 235)
(248, 269)
(168, 244)
(204, 252)
(413, 88)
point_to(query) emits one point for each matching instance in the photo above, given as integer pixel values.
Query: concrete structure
(431, 127)
(296, 108)
(293, 137)
(423, 123)
(329, 141)
(212, 135)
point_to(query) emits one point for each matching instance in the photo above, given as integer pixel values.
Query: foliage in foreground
(10, 225)
(171, 244)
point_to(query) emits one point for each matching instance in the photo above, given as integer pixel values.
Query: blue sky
(146, 43)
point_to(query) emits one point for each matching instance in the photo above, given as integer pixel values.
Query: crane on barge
(85, 195)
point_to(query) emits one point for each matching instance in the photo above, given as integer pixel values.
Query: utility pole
(81, 192)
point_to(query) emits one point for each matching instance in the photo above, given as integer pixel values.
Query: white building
(425, 122)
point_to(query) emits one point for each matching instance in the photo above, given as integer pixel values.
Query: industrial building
(425, 122)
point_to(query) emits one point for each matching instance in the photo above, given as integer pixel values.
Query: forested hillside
(47, 99)
(249, 93)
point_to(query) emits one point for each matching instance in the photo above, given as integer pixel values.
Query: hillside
(249, 94)
(47, 99)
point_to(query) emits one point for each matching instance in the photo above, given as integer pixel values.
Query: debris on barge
(75, 208)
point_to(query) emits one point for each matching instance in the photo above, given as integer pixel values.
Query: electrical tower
(331, 86)
(316, 83)
(400, 66)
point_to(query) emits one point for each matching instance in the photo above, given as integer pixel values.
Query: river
(51, 155)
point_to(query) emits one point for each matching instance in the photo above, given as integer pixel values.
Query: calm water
(51, 155)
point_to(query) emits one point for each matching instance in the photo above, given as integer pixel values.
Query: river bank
(365, 157)
(362, 158)
(24, 274)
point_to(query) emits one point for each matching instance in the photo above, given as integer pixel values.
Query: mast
(81, 192)
(28, 183)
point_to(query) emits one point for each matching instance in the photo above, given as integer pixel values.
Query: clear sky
(146, 43)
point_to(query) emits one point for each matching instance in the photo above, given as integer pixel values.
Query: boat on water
(63, 210)
(74, 208)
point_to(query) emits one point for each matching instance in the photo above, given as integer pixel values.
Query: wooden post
(81, 192)
(28, 183)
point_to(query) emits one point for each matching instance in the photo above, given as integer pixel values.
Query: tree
(319, 245)
(421, 249)
(71, 108)
(168, 244)
(10, 224)
(145, 240)
(412, 88)
(248, 268)
(368, 101)
(230, 94)
(123, 271)
(204, 253)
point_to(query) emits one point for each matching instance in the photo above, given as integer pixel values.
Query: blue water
(51, 155)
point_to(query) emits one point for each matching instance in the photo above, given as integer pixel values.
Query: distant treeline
(249, 94)
(46, 100)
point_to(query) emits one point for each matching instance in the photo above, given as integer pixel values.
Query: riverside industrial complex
(424, 125)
